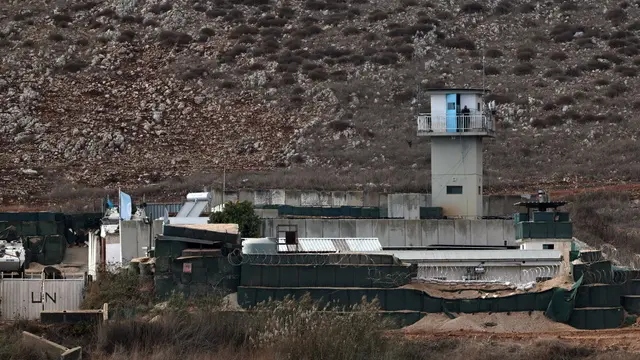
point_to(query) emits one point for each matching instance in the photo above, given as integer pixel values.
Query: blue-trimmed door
(452, 120)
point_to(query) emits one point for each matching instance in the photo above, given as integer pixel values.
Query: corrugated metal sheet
(63, 294)
(156, 210)
(332, 245)
(26, 298)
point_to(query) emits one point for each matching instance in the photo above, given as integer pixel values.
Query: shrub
(491, 70)
(194, 73)
(558, 56)
(629, 50)
(460, 42)
(287, 79)
(626, 71)
(75, 65)
(286, 12)
(150, 22)
(271, 32)
(292, 44)
(602, 82)
(207, 31)
(235, 15)
(565, 100)
(246, 39)
(405, 50)
(523, 69)
(615, 15)
(526, 8)
(377, 15)
(339, 75)
(585, 42)
(616, 89)
(62, 18)
(199, 8)
(619, 43)
(130, 19)
(215, 13)
(385, 58)
(568, 6)
(126, 36)
(472, 7)
(161, 8)
(351, 30)
(318, 75)
(553, 72)
(504, 7)
(82, 42)
(549, 106)
(634, 26)
(550, 120)
(227, 84)
(242, 30)
(573, 72)
(271, 21)
(525, 54)
(587, 118)
(595, 64)
(108, 12)
(307, 31)
(168, 37)
(493, 53)
(55, 36)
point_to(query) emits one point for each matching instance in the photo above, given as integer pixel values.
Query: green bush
(240, 213)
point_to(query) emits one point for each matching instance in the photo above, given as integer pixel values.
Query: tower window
(451, 106)
(454, 190)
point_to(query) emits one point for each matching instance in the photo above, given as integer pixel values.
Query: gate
(26, 298)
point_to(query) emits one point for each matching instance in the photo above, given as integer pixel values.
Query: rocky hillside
(320, 93)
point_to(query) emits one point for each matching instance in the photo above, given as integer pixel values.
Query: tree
(240, 213)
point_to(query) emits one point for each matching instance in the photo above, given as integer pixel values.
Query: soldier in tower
(465, 118)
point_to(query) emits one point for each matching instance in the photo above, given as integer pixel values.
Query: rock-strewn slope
(133, 92)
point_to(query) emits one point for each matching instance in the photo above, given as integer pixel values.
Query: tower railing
(461, 123)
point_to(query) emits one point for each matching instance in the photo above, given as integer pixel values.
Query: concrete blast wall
(134, 235)
(399, 205)
(404, 233)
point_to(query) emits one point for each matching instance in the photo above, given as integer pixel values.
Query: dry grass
(608, 221)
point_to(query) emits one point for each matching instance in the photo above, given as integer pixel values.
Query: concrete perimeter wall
(134, 235)
(404, 233)
(398, 205)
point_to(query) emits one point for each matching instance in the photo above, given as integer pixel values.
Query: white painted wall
(561, 245)
(438, 111)
(471, 101)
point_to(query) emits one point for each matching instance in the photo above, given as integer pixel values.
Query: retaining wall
(398, 205)
(404, 233)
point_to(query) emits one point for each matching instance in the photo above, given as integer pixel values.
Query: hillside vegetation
(134, 93)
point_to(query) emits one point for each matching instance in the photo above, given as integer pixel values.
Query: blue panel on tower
(452, 121)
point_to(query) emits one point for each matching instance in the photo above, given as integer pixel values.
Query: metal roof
(332, 245)
(475, 255)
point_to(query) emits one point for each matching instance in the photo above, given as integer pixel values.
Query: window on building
(479, 190)
(451, 106)
(478, 106)
(454, 190)
(547, 246)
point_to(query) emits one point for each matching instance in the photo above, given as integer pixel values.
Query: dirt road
(627, 339)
